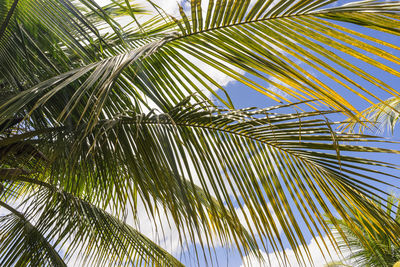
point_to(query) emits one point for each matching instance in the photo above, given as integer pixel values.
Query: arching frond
(304, 45)
(383, 116)
(83, 92)
(77, 227)
(375, 249)
(22, 244)
(257, 160)
(268, 40)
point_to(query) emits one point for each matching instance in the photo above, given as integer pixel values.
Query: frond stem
(7, 19)
(55, 256)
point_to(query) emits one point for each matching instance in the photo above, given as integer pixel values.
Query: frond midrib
(316, 13)
(162, 253)
(55, 256)
(6, 21)
(272, 144)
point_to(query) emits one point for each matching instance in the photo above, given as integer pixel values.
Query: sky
(241, 96)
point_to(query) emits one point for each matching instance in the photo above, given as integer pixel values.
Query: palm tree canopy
(96, 116)
(373, 250)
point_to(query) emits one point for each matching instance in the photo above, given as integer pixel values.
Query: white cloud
(171, 7)
(319, 258)
(162, 230)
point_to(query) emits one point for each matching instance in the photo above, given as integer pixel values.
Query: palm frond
(22, 244)
(262, 160)
(267, 39)
(82, 94)
(77, 227)
(373, 250)
(383, 116)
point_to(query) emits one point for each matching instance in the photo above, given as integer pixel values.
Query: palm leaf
(265, 40)
(281, 154)
(83, 96)
(78, 227)
(269, 54)
(383, 116)
(22, 244)
(373, 250)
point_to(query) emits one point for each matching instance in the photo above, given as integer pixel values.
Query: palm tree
(375, 249)
(97, 117)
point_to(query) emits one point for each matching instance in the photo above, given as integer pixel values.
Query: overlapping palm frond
(59, 44)
(375, 249)
(81, 228)
(80, 96)
(76, 226)
(282, 154)
(267, 40)
(72, 223)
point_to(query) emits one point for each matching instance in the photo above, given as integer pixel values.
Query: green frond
(384, 115)
(262, 160)
(373, 249)
(283, 40)
(77, 113)
(79, 228)
(265, 40)
(22, 244)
